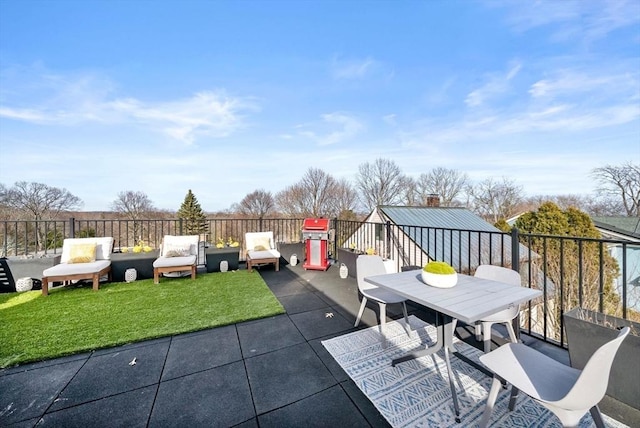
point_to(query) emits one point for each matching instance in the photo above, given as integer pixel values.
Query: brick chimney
(433, 200)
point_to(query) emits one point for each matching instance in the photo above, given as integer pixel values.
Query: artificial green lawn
(77, 319)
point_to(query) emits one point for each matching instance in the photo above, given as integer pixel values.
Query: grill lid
(315, 224)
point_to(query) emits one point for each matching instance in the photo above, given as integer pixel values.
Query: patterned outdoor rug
(416, 393)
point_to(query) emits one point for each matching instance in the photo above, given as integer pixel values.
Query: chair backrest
(180, 243)
(7, 283)
(368, 266)
(258, 241)
(498, 273)
(104, 247)
(594, 379)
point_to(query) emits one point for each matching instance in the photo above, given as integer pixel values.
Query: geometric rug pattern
(416, 393)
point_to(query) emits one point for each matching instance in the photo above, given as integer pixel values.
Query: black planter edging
(348, 258)
(141, 262)
(287, 249)
(587, 331)
(215, 255)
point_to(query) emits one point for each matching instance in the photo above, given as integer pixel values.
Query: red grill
(315, 232)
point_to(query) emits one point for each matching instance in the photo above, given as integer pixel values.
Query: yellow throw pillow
(82, 253)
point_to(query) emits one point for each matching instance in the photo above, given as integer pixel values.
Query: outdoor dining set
(492, 295)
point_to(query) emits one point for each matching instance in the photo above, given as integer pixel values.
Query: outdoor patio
(272, 372)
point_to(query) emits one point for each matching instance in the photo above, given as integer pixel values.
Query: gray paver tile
(329, 408)
(28, 394)
(269, 334)
(111, 374)
(130, 409)
(282, 377)
(219, 397)
(200, 351)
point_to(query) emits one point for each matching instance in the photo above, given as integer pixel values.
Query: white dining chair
(370, 266)
(569, 393)
(506, 316)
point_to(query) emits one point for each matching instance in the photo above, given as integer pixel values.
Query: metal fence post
(387, 237)
(336, 233)
(72, 227)
(515, 250)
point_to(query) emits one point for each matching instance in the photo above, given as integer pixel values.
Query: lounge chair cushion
(174, 261)
(66, 269)
(263, 254)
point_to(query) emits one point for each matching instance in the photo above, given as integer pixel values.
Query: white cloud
(570, 82)
(390, 119)
(572, 20)
(347, 127)
(71, 101)
(560, 119)
(496, 84)
(352, 68)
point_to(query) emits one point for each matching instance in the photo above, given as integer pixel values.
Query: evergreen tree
(194, 221)
(575, 272)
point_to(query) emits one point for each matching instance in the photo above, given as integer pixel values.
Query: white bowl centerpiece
(439, 274)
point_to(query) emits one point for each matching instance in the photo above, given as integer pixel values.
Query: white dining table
(470, 300)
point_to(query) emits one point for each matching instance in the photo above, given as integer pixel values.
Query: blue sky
(227, 97)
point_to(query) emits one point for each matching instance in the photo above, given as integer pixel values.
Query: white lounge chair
(177, 254)
(82, 258)
(261, 250)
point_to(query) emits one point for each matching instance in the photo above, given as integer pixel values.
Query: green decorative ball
(441, 268)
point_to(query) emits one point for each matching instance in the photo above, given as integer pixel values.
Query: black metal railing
(570, 271)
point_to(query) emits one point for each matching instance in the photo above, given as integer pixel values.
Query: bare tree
(605, 206)
(380, 183)
(39, 200)
(343, 201)
(290, 201)
(317, 194)
(621, 182)
(259, 203)
(134, 205)
(5, 209)
(495, 200)
(318, 186)
(448, 184)
(410, 195)
(564, 202)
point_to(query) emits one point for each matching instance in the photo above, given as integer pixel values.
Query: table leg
(454, 395)
(441, 340)
(448, 325)
(444, 328)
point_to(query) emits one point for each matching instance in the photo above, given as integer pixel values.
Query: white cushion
(103, 247)
(174, 261)
(265, 239)
(268, 254)
(63, 269)
(171, 242)
(176, 250)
